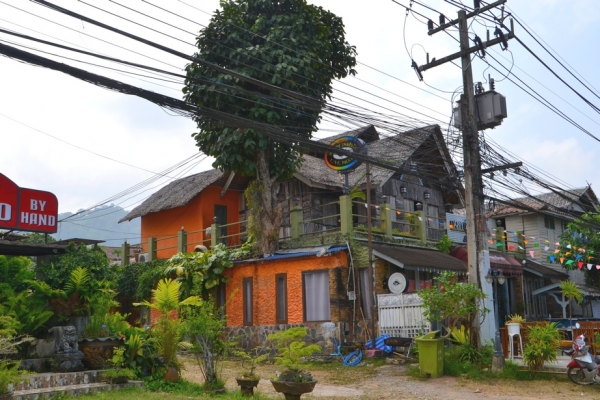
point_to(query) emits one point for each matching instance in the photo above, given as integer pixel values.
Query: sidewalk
(558, 367)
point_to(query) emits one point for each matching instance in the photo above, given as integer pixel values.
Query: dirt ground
(390, 382)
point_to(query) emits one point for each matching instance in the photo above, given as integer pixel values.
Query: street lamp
(496, 277)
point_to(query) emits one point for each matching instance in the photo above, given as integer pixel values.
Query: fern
(44, 289)
(78, 281)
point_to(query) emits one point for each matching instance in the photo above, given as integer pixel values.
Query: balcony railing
(350, 215)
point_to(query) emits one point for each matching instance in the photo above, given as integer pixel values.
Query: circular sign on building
(342, 162)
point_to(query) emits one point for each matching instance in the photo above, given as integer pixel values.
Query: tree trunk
(269, 215)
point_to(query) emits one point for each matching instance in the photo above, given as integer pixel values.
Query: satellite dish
(397, 283)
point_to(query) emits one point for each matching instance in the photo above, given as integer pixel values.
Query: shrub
(542, 343)
(291, 348)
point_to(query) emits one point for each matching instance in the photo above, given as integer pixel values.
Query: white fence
(401, 315)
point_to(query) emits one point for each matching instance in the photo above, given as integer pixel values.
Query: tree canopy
(287, 43)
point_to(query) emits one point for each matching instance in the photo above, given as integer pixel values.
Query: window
(281, 298)
(316, 295)
(365, 292)
(247, 285)
(549, 222)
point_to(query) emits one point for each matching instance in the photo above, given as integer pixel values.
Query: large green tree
(287, 43)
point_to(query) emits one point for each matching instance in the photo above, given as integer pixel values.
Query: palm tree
(167, 332)
(571, 292)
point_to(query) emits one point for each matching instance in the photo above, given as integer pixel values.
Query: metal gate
(401, 315)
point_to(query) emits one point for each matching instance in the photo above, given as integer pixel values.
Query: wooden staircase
(48, 385)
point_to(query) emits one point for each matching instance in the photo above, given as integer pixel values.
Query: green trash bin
(431, 354)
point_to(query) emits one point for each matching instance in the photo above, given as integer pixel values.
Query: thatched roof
(569, 200)
(395, 149)
(175, 194)
(367, 133)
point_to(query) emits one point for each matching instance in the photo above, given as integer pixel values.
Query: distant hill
(101, 224)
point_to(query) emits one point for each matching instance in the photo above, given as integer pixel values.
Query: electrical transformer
(490, 110)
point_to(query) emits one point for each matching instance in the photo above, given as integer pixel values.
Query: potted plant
(250, 360)
(102, 333)
(168, 331)
(513, 325)
(118, 373)
(293, 382)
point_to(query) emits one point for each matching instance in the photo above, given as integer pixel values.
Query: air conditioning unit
(142, 257)
(490, 110)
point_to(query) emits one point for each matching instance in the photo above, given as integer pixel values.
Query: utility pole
(477, 248)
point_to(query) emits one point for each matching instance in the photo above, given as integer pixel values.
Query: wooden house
(316, 279)
(531, 230)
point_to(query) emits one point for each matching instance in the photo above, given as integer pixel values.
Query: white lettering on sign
(33, 205)
(35, 219)
(5, 211)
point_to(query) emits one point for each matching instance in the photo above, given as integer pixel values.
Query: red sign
(27, 209)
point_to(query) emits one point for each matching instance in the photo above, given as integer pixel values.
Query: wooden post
(345, 214)
(421, 228)
(386, 219)
(296, 217)
(214, 232)
(181, 241)
(124, 254)
(151, 249)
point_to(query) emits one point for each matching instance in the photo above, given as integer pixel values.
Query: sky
(86, 144)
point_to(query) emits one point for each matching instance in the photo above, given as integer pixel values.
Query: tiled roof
(559, 201)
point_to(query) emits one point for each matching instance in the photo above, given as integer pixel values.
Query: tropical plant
(571, 292)
(289, 45)
(168, 331)
(291, 348)
(250, 360)
(118, 369)
(199, 272)
(206, 329)
(542, 343)
(58, 272)
(515, 319)
(444, 245)
(462, 337)
(9, 373)
(451, 302)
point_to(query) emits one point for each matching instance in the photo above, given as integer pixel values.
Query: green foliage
(29, 309)
(448, 299)
(542, 343)
(9, 373)
(515, 319)
(168, 331)
(291, 348)
(571, 291)
(199, 272)
(58, 272)
(205, 327)
(118, 367)
(444, 244)
(315, 52)
(250, 360)
(138, 279)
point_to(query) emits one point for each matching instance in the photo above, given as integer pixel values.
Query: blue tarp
(379, 344)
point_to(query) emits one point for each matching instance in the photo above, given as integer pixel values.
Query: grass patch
(339, 374)
(145, 394)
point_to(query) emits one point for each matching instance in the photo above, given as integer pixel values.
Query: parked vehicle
(583, 368)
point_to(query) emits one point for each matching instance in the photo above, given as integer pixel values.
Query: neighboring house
(319, 278)
(531, 232)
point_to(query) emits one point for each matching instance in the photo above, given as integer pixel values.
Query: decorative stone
(67, 355)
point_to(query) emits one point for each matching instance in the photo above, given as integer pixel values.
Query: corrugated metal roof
(291, 254)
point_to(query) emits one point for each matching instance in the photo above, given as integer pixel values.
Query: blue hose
(357, 354)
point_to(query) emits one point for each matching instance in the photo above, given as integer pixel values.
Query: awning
(418, 258)
(498, 261)
(10, 248)
(535, 268)
(588, 291)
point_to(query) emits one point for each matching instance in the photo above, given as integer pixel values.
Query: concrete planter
(97, 351)
(293, 390)
(513, 328)
(247, 385)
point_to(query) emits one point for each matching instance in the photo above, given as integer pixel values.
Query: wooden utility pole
(477, 248)
(371, 266)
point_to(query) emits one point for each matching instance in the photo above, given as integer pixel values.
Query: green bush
(542, 343)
